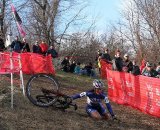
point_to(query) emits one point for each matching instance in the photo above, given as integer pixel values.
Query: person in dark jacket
(106, 57)
(25, 46)
(136, 69)
(2, 46)
(36, 48)
(88, 69)
(117, 62)
(127, 63)
(72, 66)
(52, 51)
(65, 64)
(16, 45)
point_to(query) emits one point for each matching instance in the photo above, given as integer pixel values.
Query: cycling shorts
(99, 108)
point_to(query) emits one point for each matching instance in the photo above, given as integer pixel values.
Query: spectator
(88, 68)
(44, 47)
(2, 46)
(117, 61)
(16, 45)
(98, 55)
(106, 56)
(65, 64)
(52, 51)
(25, 46)
(98, 58)
(72, 66)
(143, 65)
(149, 71)
(77, 69)
(158, 68)
(127, 63)
(99, 64)
(136, 69)
(36, 48)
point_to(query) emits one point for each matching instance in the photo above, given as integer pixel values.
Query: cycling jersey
(94, 102)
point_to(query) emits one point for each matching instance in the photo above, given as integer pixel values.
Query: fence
(140, 92)
(10, 63)
(28, 63)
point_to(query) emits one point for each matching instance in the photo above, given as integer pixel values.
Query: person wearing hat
(149, 71)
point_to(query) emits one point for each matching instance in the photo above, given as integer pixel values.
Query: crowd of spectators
(124, 64)
(39, 47)
(119, 62)
(69, 65)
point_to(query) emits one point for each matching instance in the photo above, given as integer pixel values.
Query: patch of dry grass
(26, 116)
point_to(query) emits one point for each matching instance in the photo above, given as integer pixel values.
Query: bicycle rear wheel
(35, 86)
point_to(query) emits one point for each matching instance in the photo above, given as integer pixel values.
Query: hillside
(26, 116)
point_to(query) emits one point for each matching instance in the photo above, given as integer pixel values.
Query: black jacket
(117, 63)
(2, 47)
(36, 49)
(136, 70)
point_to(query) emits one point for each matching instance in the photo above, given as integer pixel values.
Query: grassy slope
(26, 116)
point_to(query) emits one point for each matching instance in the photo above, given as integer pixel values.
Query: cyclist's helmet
(97, 84)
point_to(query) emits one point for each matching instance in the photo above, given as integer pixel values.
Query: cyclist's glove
(69, 100)
(114, 118)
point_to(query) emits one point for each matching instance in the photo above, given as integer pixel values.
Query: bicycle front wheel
(35, 86)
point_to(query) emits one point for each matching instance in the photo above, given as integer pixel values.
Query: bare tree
(141, 28)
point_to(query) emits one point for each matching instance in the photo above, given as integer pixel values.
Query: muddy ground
(26, 116)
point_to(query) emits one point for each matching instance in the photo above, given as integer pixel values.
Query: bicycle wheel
(35, 86)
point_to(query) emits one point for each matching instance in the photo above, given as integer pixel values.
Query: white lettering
(129, 84)
(131, 94)
(157, 92)
(110, 86)
(158, 102)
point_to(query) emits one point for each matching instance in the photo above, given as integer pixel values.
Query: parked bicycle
(43, 91)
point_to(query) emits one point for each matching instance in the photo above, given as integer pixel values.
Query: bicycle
(43, 90)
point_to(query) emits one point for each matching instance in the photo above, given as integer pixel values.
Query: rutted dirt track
(26, 116)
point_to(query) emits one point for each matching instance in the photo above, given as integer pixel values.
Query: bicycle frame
(64, 100)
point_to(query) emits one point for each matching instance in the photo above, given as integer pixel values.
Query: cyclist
(94, 107)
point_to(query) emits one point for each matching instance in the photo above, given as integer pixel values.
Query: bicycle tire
(34, 90)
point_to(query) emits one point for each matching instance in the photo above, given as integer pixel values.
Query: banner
(32, 63)
(18, 21)
(104, 65)
(140, 92)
